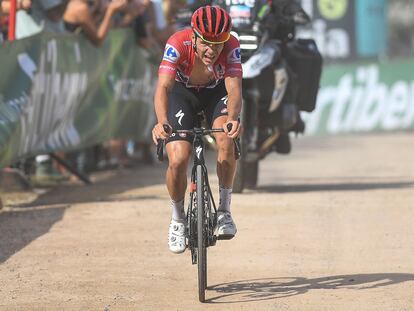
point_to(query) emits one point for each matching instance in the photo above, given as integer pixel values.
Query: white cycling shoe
(226, 228)
(176, 236)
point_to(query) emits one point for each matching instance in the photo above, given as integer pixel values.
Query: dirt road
(330, 227)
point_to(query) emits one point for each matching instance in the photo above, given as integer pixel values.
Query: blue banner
(371, 27)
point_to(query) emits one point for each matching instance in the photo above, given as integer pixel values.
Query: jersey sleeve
(233, 58)
(171, 58)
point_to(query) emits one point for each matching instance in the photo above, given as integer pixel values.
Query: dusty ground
(330, 227)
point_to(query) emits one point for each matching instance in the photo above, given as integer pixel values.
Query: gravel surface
(330, 227)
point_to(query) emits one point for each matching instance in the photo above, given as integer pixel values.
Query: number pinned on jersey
(171, 54)
(234, 56)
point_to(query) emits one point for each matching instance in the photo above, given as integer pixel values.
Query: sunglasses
(214, 39)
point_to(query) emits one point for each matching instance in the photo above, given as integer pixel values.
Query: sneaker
(226, 228)
(176, 236)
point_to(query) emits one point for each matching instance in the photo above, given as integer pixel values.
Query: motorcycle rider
(200, 71)
(279, 21)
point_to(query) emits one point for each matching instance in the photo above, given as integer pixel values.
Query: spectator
(20, 5)
(25, 25)
(144, 27)
(93, 19)
(48, 14)
(79, 17)
(44, 15)
(179, 12)
(144, 31)
(130, 13)
(146, 19)
(158, 26)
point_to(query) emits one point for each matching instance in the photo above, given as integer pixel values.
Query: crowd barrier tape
(369, 97)
(59, 92)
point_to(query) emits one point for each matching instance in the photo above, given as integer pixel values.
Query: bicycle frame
(201, 211)
(211, 213)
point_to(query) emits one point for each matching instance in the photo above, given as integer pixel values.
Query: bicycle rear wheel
(201, 235)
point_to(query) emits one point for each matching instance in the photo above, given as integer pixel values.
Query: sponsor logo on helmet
(183, 135)
(171, 54)
(234, 56)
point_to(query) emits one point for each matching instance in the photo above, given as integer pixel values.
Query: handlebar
(199, 132)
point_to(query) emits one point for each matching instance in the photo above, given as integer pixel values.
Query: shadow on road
(104, 189)
(273, 288)
(25, 222)
(19, 228)
(351, 186)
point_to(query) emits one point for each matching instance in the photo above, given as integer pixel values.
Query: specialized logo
(171, 54)
(198, 151)
(225, 99)
(180, 115)
(234, 56)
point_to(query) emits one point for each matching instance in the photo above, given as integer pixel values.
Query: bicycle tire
(201, 235)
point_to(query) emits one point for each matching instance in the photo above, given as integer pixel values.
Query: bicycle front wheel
(201, 234)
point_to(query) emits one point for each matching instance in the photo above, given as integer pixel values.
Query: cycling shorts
(185, 105)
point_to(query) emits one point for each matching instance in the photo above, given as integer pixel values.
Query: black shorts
(184, 105)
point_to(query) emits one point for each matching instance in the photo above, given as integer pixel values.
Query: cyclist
(200, 72)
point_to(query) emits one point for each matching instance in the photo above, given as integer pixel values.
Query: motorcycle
(280, 78)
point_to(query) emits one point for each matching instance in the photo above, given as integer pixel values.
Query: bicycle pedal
(225, 237)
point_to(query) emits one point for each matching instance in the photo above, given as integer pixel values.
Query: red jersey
(179, 58)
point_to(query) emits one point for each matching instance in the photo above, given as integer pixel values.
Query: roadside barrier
(59, 92)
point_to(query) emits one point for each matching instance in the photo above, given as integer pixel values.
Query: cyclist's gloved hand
(158, 132)
(235, 128)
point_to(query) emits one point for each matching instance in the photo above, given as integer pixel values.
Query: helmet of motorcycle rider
(211, 24)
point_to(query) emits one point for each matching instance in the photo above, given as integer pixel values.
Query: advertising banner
(364, 98)
(347, 30)
(371, 28)
(62, 93)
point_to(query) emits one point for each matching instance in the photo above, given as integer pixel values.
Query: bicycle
(201, 212)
